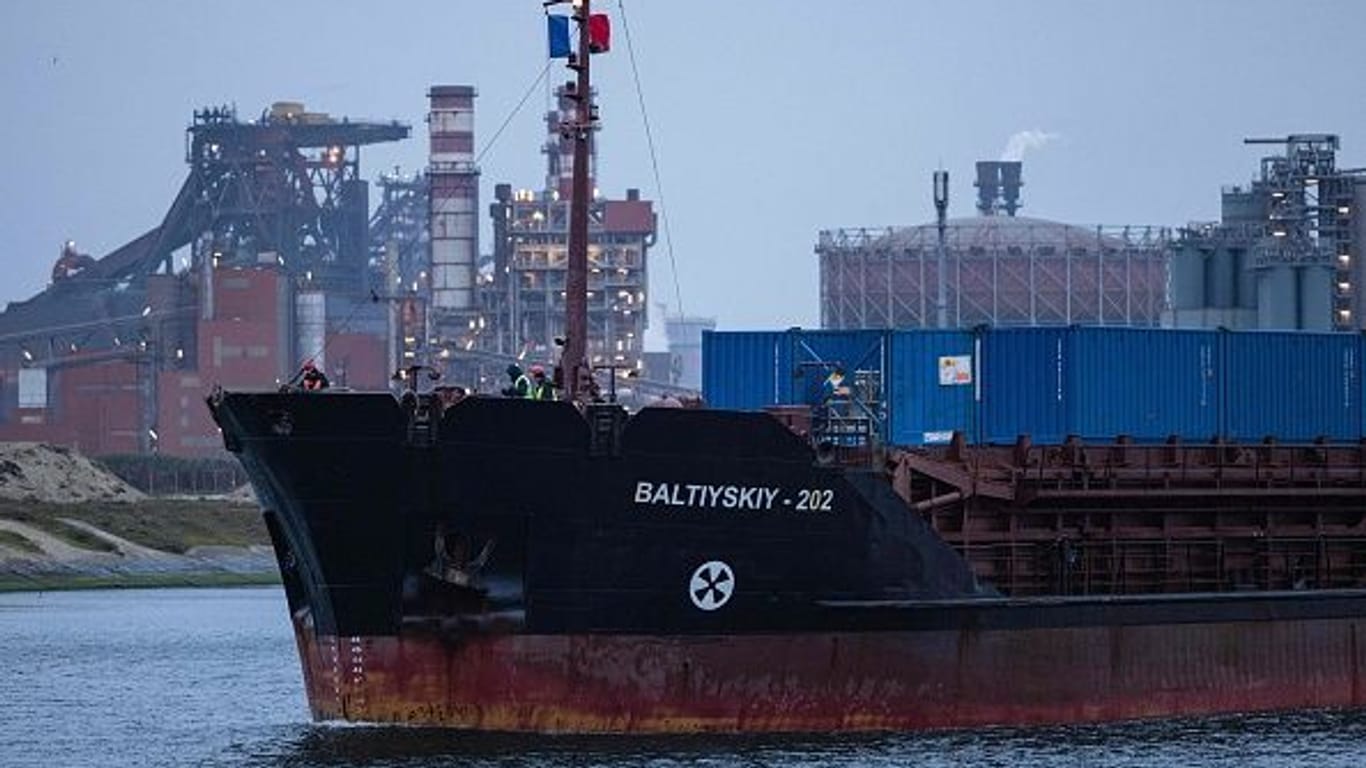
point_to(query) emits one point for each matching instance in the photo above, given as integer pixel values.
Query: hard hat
(537, 370)
(308, 365)
(514, 369)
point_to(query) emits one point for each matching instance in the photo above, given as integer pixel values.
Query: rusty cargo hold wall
(1119, 518)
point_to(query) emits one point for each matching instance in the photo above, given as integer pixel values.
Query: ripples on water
(210, 678)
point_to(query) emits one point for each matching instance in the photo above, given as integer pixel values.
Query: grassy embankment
(169, 525)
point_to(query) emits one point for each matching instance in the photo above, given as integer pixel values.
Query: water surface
(210, 677)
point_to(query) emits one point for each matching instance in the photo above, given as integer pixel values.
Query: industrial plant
(1285, 256)
(1286, 253)
(268, 257)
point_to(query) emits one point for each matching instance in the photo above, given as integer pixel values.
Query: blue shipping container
(1023, 385)
(1049, 382)
(929, 397)
(814, 354)
(748, 370)
(1144, 383)
(1294, 387)
(745, 370)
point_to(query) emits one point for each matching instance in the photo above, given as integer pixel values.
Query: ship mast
(574, 359)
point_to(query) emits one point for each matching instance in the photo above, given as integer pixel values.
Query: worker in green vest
(521, 385)
(542, 388)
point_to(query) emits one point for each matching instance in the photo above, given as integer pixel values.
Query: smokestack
(998, 187)
(1010, 186)
(453, 202)
(988, 188)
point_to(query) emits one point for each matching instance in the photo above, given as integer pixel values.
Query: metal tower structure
(1284, 255)
(286, 185)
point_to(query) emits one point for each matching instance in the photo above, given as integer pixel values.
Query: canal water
(209, 677)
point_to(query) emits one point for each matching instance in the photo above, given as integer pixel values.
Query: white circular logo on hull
(711, 585)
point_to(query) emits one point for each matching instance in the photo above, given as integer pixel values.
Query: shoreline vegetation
(67, 522)
(155, 542)
(63, 583)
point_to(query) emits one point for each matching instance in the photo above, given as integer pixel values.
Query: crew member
(834, 387)
(541, 387)
(521, 385)
(313, 378)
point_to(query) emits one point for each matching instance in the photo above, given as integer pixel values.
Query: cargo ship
(509, 564)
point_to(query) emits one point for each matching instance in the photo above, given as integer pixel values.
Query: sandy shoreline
(67, 522)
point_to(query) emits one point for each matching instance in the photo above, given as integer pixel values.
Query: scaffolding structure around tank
(999, 270)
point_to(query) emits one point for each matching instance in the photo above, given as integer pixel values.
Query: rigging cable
(375, 297)
(513, 113)
(654, 161)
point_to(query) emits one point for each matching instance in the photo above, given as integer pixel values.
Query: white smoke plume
(1024, 140)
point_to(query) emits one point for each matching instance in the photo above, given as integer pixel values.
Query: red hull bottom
(837, 681)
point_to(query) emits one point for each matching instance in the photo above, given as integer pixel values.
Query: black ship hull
(712, 572)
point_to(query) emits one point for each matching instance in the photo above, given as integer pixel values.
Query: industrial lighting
(28, 355)
(147, 310)
(152, 433)
(1278, 233)
(1344, 286)
(179, 353)
(1344, 210)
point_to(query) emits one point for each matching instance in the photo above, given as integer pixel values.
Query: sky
(771, 120)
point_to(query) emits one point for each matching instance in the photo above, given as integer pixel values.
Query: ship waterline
(1273, 653)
